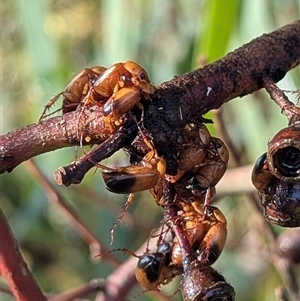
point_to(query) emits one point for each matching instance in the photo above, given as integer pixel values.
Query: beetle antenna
(124, 250)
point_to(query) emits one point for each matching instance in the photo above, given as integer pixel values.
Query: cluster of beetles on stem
(202, 161)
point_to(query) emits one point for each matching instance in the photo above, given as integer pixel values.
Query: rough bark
(174, 104)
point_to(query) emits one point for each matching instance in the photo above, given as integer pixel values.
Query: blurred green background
(45, 43)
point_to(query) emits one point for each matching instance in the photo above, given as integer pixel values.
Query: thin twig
(13, 267)
(95, 243)
(291, 111)
(95, 285)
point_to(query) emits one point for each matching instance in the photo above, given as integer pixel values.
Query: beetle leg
(141, 107)
(50, 103)
(124, 250)
(146, 140)
(86, 88)
(50, 114)
(127, 204)
(204, 209)
(207, 200)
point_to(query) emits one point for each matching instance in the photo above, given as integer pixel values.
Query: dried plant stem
(13, 267)
(95, 285)
(96, 245)
(287, 107)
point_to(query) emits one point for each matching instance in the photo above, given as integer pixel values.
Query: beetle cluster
(276, 176)
(206, 234)
(202, 161)
(117, 89)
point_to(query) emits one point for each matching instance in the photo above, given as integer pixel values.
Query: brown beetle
(119, 89)
(206, 234)
(134, 178)
(202, 161)
(206, 231)
(76, 90)
(155, 269)
(212, 169)
(192, 146)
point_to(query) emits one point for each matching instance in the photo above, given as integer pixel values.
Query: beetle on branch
(133, 112)
(172, 106)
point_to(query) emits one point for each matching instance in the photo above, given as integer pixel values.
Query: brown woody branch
(94, 285)
(174, 104)
(291, 111)
(51, 134)
(74, 172)
(14, 268)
